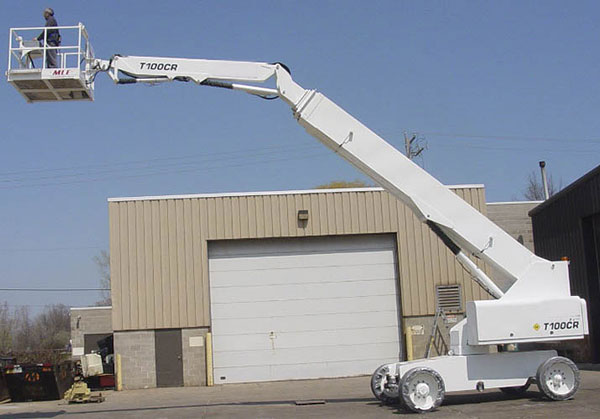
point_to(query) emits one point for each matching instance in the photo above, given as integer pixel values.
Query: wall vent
(449, 298)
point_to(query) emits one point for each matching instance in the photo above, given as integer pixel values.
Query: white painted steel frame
(534, 280)
(19, 51)
(22, 51)
(494, 370)
(428, 198)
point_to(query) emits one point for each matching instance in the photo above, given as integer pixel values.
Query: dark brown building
(568, 225)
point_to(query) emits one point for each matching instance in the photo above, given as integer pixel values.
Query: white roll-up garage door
(303, 307)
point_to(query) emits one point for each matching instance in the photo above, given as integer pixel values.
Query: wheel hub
(557, 380)
(422, 390)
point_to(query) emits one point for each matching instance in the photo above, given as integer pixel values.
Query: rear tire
(387, 393)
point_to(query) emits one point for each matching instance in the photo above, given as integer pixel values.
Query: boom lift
(536, 306)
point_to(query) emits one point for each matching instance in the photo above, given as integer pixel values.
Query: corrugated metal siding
(158, 247)
(561, 227)
(557, 227)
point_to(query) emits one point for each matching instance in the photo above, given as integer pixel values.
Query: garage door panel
(284, 246)
(296, 372)
(293, 262)
(307, 339)
(306, 275)
(286, 292)
(294, 356)
(303, 308)
(303, 323)
(364, 304)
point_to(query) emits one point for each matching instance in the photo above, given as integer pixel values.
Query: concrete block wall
(138, 359)
(89, 320)
(193, 345)
(513, 217)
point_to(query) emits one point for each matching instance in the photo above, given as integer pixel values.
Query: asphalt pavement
(328, 398)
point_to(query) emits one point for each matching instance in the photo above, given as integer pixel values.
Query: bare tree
(102, 261)
(23, 334)
(52, 327)
(42, 339)
(534, 191)
(6, 328)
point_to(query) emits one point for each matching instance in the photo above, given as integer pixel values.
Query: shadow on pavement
(495, 396)
(589, 367)
(33, 414)
(186, 406)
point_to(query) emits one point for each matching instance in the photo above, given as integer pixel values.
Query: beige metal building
(294, 284)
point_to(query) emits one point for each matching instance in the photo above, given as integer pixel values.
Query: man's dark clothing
(53, 34)
(52, 40)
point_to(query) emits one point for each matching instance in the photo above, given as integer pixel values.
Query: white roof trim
(514, 202)
(297, 192)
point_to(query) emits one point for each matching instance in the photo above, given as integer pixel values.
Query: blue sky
(493, 87)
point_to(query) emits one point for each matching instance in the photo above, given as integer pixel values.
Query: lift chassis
(536, 306)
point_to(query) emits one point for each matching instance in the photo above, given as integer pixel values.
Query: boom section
(449, 215)
(460, 226)
(156, 69)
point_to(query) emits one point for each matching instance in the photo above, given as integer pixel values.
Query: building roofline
(514, 202)
(267, 193)
(567, 190)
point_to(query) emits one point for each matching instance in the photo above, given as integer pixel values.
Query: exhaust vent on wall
(448, 298)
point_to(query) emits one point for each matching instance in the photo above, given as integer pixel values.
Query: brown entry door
(169, 363)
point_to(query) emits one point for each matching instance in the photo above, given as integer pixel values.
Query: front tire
(385, 391)
(558, 378)
(423, 389)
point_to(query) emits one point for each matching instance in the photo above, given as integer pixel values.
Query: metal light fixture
(302, 215)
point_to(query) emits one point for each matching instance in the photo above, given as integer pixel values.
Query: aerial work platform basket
(30, 70)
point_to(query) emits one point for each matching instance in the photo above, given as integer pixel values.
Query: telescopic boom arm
(462, 228)
(534, 282)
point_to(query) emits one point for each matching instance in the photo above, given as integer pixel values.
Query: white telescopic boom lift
(535, 306)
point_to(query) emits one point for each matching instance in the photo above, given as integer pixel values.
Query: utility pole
(544, 179)
(412, 146)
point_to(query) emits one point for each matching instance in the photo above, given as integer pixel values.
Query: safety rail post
(28, 71)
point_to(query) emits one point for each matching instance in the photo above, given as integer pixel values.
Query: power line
(163, 172)
(511, 137)
(204, 156)
(54, 289)
(244, 156)
(35, 305)
(51, 249)
(520, 148)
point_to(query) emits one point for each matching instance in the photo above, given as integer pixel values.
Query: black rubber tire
(407, 386)
(557, 364)
(385, 397)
